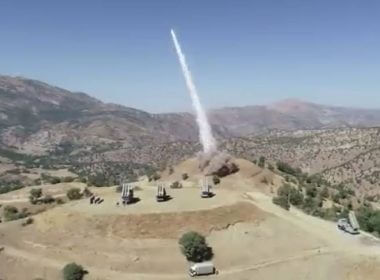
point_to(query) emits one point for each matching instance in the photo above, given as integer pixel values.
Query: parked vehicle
(161, 194)
(204, 268)
(205, 188)
(344, 225)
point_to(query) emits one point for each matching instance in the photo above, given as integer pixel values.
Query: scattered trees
(73, 271)
(194, 247)
(11, 213)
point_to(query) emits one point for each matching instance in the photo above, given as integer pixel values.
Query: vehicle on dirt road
(204, 268)
(344, 225)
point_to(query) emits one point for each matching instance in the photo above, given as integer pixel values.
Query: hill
(36, 118)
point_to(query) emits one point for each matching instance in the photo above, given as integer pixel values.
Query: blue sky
(240, 52)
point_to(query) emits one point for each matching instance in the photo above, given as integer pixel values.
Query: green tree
(215, 179)
(261, 162)
(194, 247)
(36, 193)
(73, 271)
(281, 201)
(73, 194)
(185, 176)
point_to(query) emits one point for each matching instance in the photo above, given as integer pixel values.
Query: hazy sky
(240, 52)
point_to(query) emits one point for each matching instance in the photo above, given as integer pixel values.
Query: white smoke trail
(205, 135)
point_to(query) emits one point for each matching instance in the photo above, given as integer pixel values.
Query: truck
(353, 221)
(127, 196)
(161, 194)
(204, 268)
(205, 188)
(349, 225)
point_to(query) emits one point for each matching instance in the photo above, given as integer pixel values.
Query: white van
(203, 268)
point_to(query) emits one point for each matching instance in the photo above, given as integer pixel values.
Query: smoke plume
(205, 135)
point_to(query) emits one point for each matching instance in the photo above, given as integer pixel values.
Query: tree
(35, 195)
(176, 185)
(185, 176)
(281, 201)
(194, 247)
(73, 271)
(261, 162)
(73, 194)
(11, 213)
(216, 180)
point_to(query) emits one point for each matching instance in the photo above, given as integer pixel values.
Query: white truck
(349, 225)
(204, 268)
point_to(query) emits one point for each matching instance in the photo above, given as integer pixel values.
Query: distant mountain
(291, 115)
(36, 117)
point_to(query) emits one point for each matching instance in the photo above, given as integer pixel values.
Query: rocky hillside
(36, 117)
(42, 125)
(345, 155)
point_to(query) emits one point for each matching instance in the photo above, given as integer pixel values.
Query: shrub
(292, 195)
(286, 168)
(171, 170)
(185, 176)
(261, 162)
(28, 221)
(34, 196)
(73, 194)
(47, 199)
(281, 201)
(176, 185)
(216, 180)
(194, 247)
(73, 271)
(11, 213)
(68, 179)
(59, 201)
(55, 180)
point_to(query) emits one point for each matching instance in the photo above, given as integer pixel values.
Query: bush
(55, 180)
(47, 199)
(292, 195)
(73, 194)
(281, 201)
(194, 247)
(11, 213)
(68, 179)
(59, 201)
(73, 271)
(261, 162)
(176, 185)
(35, 195)
(216, 180)
(286, 168)
(171, 170)
(185, 176)
(28, 221)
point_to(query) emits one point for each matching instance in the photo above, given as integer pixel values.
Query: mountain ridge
(35, 117)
